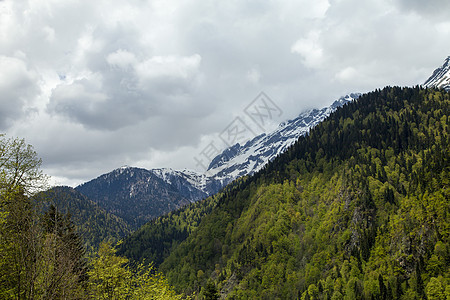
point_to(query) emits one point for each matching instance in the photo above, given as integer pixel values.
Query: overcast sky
(94, 85)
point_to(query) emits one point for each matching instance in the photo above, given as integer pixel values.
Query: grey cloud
(151, 82)
(91, 107)
(18, 88)
(125, 84)
(433, 9)
(118, 97)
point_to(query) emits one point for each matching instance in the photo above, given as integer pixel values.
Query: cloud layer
(97, 84)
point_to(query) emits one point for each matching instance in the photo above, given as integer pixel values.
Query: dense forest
(357, 209)
(42, 254)
(154, 241)
(92, 222)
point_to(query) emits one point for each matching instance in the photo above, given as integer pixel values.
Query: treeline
(357, 209)
(42, 256)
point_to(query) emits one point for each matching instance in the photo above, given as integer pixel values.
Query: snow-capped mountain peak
(440, 77)
(239, 160)
(191, 184)
(152, 192)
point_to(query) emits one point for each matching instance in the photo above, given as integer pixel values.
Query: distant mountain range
(357, 209)
(138, 195)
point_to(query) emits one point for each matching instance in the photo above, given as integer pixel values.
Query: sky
(95, 85)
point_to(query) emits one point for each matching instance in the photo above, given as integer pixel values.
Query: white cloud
(121, 59)
(310, 50)
(253, 75)
(443, 28)
(347, 74)
(168, 66)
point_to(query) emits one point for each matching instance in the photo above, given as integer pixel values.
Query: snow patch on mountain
(190, 183)
(138, 195)
(240, 160)
(440, 77)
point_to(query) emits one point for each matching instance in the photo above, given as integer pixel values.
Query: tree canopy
(357, 209)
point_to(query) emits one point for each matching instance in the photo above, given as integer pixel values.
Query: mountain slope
(136, 195)
(153, 241)
(440, 77)
(139, 195)
(237, 160)
(356, 209)
(92, 222)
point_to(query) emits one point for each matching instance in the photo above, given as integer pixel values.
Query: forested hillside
(93, 223)
(42, 255)
(154, 241)
(357, 209)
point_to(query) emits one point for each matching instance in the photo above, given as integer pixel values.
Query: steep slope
(440, 77)
(237, 161)
(154, 241)
(356, 209)
(92, 222)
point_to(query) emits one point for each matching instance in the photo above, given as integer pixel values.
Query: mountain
(237, 161)
(440, 77)
(154, 241)
(138, 195)
(356, 209)
(93, 223)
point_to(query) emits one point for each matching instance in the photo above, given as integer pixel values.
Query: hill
(356, 209)
(93, 223)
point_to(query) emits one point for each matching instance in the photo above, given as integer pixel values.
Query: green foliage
(93, 223)
(435, 290)
(60, 230)
(210, 292)
(110, 278)
(156, 239)
(41, 254)
(357, 209)
(20, 166)
(36, 261)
